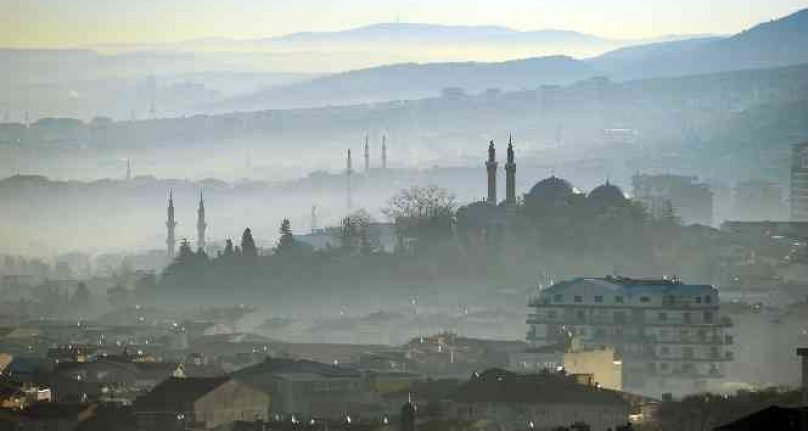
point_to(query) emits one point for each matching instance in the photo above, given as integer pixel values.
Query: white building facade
(669, 334)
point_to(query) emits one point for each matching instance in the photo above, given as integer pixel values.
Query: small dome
(551, 189)
(607, 193)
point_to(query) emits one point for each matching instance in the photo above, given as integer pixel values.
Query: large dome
(606, 194)
(551, 189)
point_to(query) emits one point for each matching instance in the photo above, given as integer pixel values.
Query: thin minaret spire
(491, 168)
(510, 175)
(384, 151)
(201, 225)
(170, 225)
(367, 155)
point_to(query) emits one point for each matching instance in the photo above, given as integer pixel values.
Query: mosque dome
(551, 189)
(606, 194)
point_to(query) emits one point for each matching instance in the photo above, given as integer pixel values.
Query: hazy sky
(51, 23)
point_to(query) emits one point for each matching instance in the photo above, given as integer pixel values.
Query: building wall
(602, 364)
(799, 182)
(229, 402)
(326, 397)
(661, 337)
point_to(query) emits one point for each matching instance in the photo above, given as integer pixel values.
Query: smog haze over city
(403, 215)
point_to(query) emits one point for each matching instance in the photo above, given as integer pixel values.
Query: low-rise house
(310, 389)
(535, 401)
(47, 417)
(200, 403)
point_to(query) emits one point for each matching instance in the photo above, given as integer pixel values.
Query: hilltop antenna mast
(348, 174)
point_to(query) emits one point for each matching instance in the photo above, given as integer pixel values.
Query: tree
(248, 247)
(287, 239)
(228, 248)
(422, 214)
(356, 233)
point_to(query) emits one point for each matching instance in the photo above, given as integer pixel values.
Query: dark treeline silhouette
(553, 231)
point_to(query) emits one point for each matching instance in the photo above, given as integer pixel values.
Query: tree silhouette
(287, 239)
(248, 247)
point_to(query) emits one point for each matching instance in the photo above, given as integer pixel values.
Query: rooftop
(500, 386)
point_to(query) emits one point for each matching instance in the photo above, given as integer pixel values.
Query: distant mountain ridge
(779, 42)
(776, 43)
(413, 80)
(411, 32)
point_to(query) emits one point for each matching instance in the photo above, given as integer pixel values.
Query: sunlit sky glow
(66, 23)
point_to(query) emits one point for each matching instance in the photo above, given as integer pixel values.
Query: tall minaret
(200, 224)
(510, 175)
(128, 170)
(170, 224)
(348, 174)
(491, 167)
(384, 151)
(367, 155)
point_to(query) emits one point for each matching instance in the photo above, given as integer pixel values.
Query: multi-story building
(799, 182)
(668, 333)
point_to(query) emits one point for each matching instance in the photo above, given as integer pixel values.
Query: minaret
(200, 224)
(170, 224)
(348, 174)
(313, 222)
(128, 170)
(367, 155)
(510, 175)
(491, 167)
(384, 151)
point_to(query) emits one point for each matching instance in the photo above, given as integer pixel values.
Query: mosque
(545, 197)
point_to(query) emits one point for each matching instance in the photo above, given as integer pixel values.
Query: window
(618, 299)
(708, 299)
(557, 298)
(644, 299)
(598, 298)
(578, 298)
(688, 352)
(698, 300)
(663, 366)
(662, 316)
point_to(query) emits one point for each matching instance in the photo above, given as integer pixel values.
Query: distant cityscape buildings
(758, 200)
(799, 182)
(675, 195)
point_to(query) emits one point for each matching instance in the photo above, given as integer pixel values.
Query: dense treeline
(554, 232)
